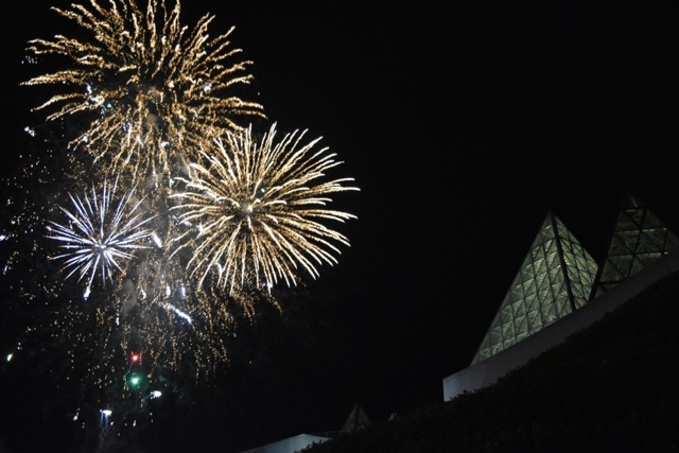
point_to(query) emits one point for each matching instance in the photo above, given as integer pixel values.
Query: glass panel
(538, 293)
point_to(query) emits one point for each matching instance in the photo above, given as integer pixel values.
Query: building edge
(487, 372)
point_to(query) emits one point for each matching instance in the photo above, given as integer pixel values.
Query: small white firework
(102, 232)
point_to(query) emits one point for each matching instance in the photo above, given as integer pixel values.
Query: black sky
(463, 124)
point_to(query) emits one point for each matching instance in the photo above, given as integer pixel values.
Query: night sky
(463, 125)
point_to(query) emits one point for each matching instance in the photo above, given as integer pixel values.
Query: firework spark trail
(99, 235)
(148, 90)
(151, 100)
(153, 89)
(256, 209)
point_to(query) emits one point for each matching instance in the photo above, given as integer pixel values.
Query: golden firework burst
(149, 87)
(257, 211)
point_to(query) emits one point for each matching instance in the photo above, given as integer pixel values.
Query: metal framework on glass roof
(558, 275)
(639, 238)
(555, 279)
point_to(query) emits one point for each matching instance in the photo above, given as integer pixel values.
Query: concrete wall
(490, 370)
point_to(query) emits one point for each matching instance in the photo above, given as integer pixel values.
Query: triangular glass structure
(357, 420)
(639, 238)
(555, 279)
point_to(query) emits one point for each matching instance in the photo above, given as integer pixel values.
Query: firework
(151, 87)
(255, 210)
(100, 234)
(148, 99)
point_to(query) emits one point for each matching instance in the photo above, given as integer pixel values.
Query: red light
(135, 357)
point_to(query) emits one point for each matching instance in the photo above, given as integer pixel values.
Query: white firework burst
(101, 234)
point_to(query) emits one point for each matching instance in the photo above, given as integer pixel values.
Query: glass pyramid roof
(639, 238)
(555, 279)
